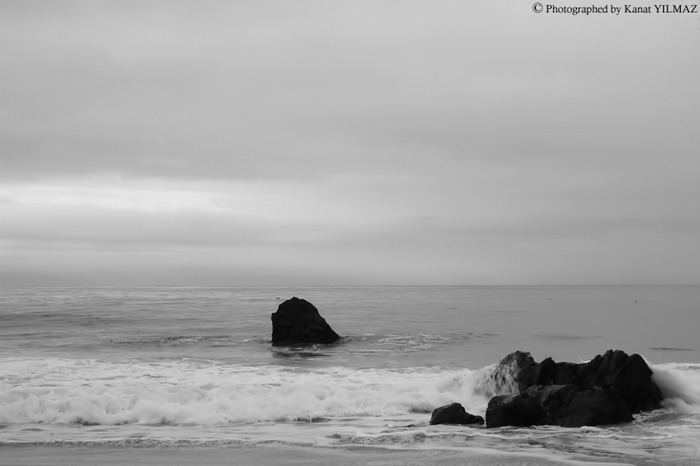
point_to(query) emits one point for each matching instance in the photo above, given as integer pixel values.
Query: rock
(454, 414)
(503, 378)
(519, 410)
(592, 407)
(562, 405)
(298, 321)
(552, 397)
(606, 390)
(569, 407)
(629, 375)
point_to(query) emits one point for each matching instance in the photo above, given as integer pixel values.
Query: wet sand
(22, 455)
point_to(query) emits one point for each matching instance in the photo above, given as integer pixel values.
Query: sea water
(180, 367)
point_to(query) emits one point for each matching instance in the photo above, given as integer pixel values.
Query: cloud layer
(345, 142)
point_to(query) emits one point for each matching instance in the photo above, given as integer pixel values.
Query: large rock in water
(454, 414)
(606, 390)
(298, 321)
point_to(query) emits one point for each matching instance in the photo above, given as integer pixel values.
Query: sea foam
(90, 392)
(200, 392)
(680, 385)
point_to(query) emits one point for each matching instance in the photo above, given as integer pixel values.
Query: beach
(263, 455)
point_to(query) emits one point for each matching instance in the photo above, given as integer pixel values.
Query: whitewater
(194, 368)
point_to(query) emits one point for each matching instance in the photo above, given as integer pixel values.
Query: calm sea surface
(194, 366)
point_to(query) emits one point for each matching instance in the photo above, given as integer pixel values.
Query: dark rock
(516, 360)
(298, 321)
(593, 407)
(552, 397)
(629, 375)
(454, 414)
(562, 405)
(541, 373)
(606, 390)
(567, 406)
(503, 378)
(519, 410)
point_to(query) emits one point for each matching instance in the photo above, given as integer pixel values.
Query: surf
(93, 392)
(680, 385)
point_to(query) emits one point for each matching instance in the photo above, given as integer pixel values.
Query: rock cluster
(609, 389)
(630, 376)
(606, 390)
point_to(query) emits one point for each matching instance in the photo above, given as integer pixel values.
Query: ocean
(193, 370)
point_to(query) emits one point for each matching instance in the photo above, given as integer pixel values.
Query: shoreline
(64, 455)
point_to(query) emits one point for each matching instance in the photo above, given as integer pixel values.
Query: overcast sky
(346, 142)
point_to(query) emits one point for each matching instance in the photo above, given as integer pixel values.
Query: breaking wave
(206, 392)
(90, 392)
(680, 385)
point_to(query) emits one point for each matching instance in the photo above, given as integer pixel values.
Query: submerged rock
(298, 321)
(454, 413)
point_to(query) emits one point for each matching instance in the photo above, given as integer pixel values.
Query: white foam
(679, 384)
(66, 391)
(94, 392)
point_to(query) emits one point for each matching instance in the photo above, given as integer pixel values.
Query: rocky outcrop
(454, 413)
(519, 410)
(630, 376)
(298, 321)
(606, 390)
(590, 407)
(562, 405)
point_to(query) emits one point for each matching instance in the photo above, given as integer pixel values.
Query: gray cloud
(472, 139)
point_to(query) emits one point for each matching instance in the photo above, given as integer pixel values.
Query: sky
(348, 142)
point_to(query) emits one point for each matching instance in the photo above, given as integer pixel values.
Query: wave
(90, 392)
(679, 384)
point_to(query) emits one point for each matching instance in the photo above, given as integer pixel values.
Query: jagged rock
(504, 379)
(562, 405)
(592, 407)
(298, 321)
(519, 410)
(517, 360)
(454, 413)
(606, 390)
(629, 375)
